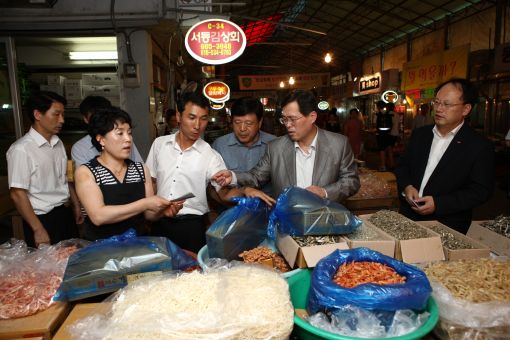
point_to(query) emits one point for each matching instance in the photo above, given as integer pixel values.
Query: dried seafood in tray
(397, 225)
(500, 225)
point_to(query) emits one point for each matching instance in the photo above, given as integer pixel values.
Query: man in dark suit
(308, 157)
(447, 168)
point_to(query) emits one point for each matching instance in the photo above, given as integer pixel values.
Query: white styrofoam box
(73, 103)
(59, 89)
(101, 90)
(72, 82)
(100, 78)
(54, 79)
(73, 92)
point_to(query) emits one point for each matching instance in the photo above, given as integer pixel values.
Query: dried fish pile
(263, 255)
(364, 233)
(475, 280)
(305, 241)
(500, 225)
(449, 240)
(398, 226)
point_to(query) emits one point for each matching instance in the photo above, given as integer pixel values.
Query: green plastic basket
(299, 286)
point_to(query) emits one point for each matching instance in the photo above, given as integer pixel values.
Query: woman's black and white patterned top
(131, 189)
(104, 176)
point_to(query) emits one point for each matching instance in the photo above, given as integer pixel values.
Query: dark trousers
(59, 224)
(187, 231)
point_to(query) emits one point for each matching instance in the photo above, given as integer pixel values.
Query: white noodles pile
(243, 302)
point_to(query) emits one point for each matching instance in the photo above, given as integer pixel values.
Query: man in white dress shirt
(37, 164)
(183, 163)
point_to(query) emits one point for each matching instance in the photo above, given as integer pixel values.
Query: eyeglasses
(247, 123)
(436, 103)
(290, 120)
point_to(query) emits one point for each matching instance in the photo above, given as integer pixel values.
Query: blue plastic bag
(102, 266)
(326, 295)
(299, 212)
(237, 229)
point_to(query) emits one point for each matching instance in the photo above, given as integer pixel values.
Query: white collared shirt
(178, 171)
(39, 167)
(304, 163)
(437, 149)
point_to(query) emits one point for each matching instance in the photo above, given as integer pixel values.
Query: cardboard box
(383, 244)
(73, 92)
(100, 78)
(497, 243)
(101, 90)
(305, 257)
(72, 82)
(43, 324)
(53, 79)
(415, 250)
(479, 249)
(79, 311)
(59, 89)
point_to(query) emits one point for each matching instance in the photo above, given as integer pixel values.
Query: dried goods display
(306, 241)
(476, 280)
(372, 186)
(500, 225)
(397, 225)
(364, 233)
(28, 287)
(449, 240)
(241, 302)
(265, 255)
(353, 274)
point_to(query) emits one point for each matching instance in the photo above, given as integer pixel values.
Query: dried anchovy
(364, 233)
(305, 241)
(500, 225)
(397, 225)
(449, 240)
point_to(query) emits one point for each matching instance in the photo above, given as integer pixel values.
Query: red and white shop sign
(217, 92)
(215, 41)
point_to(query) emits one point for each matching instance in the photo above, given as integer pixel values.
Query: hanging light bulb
(328, 58)
(291, 80)
(282, 84)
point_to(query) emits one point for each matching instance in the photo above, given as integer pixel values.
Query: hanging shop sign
(272, 81)
(217, 106)
(323, 105)
(433, 69)
(370, 84)
(389, 96)
(217, 92)
(215, 41)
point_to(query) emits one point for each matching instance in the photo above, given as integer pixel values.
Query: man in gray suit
(308, 157)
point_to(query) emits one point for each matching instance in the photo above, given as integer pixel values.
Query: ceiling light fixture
(94, 55)
(292, 81)
(282, 84)
(328, 58)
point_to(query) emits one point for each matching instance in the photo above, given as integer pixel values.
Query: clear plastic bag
(299, 212)
(460, 319)
(28, 284)
(12, 251)
(326, 295)
(356, 322)
(236, 301)
(102, 266)
(237, 229)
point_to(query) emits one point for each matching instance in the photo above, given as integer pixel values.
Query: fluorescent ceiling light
(93, 55)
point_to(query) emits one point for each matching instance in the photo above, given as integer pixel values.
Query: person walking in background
(333, 123)
(38, 186)
(385, 141)
(447, 168)
(422, 117)
(352, 130)
(172, 126)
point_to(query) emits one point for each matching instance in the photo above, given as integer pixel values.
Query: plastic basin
(203, 256)
(299, 286)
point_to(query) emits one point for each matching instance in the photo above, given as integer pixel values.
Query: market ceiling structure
(293, 36)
